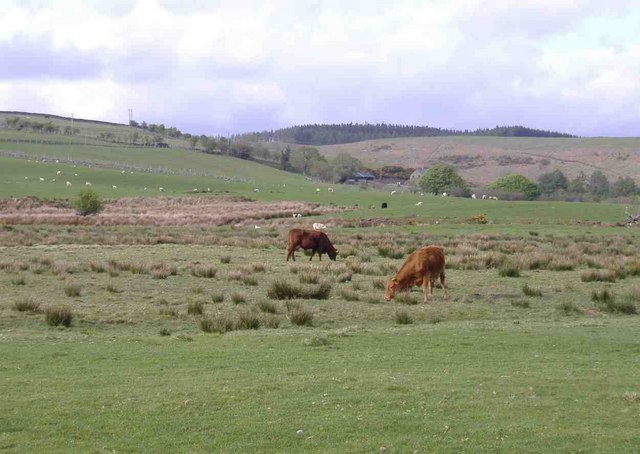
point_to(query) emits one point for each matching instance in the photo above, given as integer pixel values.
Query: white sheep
(114, 187)
(256, 227)
(484, 196)
(318, 226)
(87, 183)
(256, 190)
(393, 192)
(145, 188)
(161, 189)
(68, 183)
(195, 189)
(330, 189)
(59, 172)
(122, 171)
(317, 189)
(418, 204)
(444, 194)
(75, 174)
(41, 179)
(473, 196)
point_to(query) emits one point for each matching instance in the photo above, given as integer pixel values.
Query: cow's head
(332, 253)
(392, 287)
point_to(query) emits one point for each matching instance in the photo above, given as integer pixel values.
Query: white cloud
(241, 65)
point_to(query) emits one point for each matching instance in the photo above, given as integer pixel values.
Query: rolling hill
(481, 160)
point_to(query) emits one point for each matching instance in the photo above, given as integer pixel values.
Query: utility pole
(130, 116)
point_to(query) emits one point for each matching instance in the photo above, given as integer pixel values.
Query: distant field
(181, 341)
(483, 159)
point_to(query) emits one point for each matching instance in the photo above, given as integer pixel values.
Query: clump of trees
(328, 134)
(441, 178)
(516, 184)
(25, 124)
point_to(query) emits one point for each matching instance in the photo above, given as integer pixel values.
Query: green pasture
(534, 350)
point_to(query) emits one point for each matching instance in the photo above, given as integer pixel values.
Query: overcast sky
(214, 67)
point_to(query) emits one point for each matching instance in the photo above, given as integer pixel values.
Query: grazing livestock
(318, 242)
(58, 172)
(393, 192)
(161, 189)
(473, 196)
(484, 196)
(422, 267)
(384, 205)
(330, 189)
(114, 187)
(418, 204)
(318, 226)
(87, 183)
(444, 194)
(317, 189)
(68, 183)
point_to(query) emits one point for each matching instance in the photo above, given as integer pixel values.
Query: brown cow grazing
(310, 239)
(422, 267)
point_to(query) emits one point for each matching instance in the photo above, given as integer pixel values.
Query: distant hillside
(330, 134)
(483, 159)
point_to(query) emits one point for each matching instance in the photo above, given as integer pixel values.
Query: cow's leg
(425, 288)
(312, 252)
(444, 286)
(292, 254)
(320, 256)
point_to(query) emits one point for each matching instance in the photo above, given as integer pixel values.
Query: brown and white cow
(317, 241)
(422, 268)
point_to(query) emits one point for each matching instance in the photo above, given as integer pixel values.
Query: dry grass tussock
(157, 211)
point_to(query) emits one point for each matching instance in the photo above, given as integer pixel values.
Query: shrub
(20, 280)
(568, 308)
(301, 317)
(403, 318)
(268, 307)
(406, 298)
(599, 275)
(281, 290)
(239, 298)
(203, 271)
(195, 308)
(309, 278)
(249, 280)
(530, 291)
(477, 219)
(344, 277)
(58, 315)
(88, 202)
(390, 253)
(603, 296)
(72, 290)
(315, 341)
(378, 284)
(225, 259)
(348, 295)
(169, 312)
(112, 288)
(271, 321)
(321, 292)
(98, 267)
(216, 324)
(373, 300)
(217, 297)
(27, 305)
(248, 320)
(291, 305)
(509, 270)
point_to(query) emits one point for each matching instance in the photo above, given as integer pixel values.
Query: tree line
(552, 185)
(330, 134)
(25, 124)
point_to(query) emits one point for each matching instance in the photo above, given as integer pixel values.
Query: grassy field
(198, 336)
